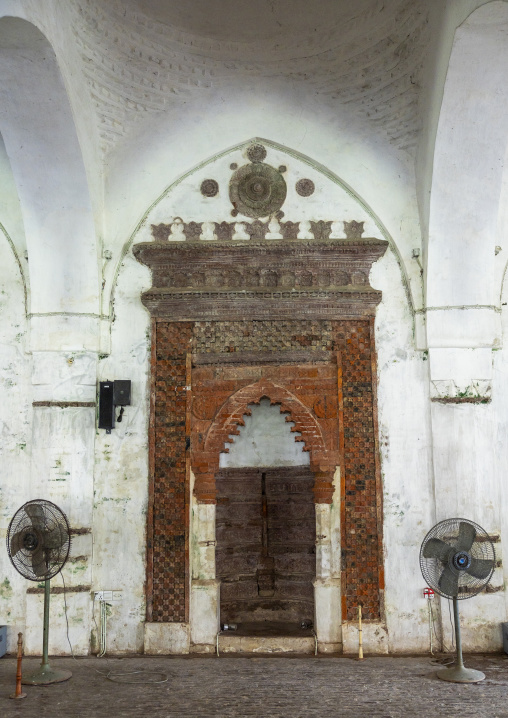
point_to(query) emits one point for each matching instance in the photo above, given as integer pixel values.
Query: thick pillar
(62, 463)
(205, 588)
(327, 584)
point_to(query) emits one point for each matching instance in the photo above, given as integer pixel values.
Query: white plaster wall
(458, 468)
(15, 433)
(403, 395)
(121, 468)
(497, 456)
(265, 440)
(405, 446)
(38, 129)
(11, 219)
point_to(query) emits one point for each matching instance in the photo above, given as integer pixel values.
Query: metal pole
(45, 675)
(458, 640)
(430, 625)
(45, 635)
(360, 634)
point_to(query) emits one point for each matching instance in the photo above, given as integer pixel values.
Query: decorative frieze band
(180, 231)
(262, 357)
(235, 306)
(278, 279)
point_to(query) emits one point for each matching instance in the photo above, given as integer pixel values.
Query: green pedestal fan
(38, 544)
(457, 560)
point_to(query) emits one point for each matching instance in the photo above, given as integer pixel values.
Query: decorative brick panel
(263, 336)
(168, 510)
(361, 501)
(332, 402)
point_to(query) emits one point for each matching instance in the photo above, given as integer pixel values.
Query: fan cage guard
(482, 548)
(46, 521)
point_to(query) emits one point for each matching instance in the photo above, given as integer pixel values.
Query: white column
(327, 587)
(205, 588)
(62, 463)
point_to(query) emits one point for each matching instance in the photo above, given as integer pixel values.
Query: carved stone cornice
(261, 279)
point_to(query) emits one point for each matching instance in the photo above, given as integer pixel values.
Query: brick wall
(361, 501)
(167, 589)
(331, 398)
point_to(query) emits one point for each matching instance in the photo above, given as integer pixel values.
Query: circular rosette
(257, 190)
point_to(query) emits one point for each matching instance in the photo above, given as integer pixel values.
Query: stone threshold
(231, 643)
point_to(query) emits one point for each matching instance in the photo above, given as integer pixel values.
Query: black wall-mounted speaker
(122, 392)
(106, 405)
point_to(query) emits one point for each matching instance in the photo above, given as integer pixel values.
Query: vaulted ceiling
(142, 56)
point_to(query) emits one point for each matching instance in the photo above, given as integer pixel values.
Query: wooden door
(265, 554)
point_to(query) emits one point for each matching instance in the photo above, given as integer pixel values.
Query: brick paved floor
(274, 687)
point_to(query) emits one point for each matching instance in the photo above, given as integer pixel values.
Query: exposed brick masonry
(361, 527)
(309, 393)
(168, 602)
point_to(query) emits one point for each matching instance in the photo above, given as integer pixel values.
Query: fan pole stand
(458, 673)
(45, 675)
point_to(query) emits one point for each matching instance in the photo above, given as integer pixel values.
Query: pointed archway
(208, 444)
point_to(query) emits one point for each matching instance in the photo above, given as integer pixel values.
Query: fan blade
(36, 514)
(39, 565)
(435, 548)
(480, 567)
(467, 535)
(54, 539)
(17, 542)
(449, 582)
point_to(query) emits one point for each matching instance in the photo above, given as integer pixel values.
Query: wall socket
(108, 596)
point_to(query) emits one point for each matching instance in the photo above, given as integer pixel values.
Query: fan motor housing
(30, 541)
(462, 560)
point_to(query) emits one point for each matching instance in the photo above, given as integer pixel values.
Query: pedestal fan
(457, 560)
(38, 544)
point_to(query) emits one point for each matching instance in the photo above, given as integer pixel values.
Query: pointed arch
(233, 410)
(44, 153)
(210, 444)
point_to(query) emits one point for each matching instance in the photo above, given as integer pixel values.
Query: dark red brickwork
(361, 558)
(332, 404)
(169, 489)
(221, 398)
(263, 335)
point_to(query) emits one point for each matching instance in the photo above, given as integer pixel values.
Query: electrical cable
(66, 616)
(103, 636)
(445, 660)
(451, 624)
(110, 676)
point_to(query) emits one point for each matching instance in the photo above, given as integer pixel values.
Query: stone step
(229, 643)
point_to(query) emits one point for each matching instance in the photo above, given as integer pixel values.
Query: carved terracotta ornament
(256, 153)
(305, 187)
(353, 230)
(209, 188)
(257, 190)
(209, 437)
(198, 280)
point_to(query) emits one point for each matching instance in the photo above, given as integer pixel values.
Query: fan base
(46, 675)
(459, 674)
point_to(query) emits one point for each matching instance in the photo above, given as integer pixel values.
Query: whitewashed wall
(437, 460)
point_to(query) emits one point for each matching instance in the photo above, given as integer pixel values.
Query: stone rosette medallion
(209, 188)
(257, 190)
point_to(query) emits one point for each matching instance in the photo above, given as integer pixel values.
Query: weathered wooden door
(265, 554)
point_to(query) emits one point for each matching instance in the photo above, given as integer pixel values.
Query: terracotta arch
(205, 457)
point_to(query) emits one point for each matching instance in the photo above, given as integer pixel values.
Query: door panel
(265, 555)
